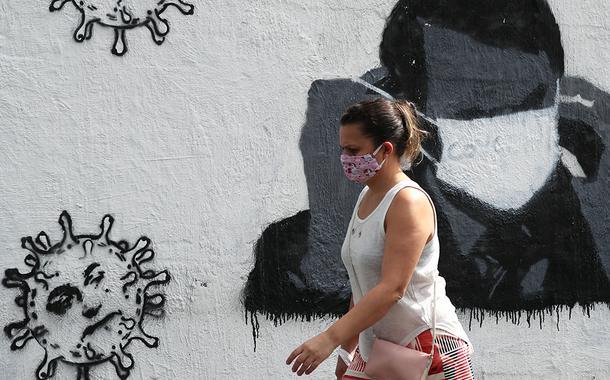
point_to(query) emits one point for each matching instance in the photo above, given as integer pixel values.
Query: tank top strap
(431, 203)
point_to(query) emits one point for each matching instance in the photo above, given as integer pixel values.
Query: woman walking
(391, 252)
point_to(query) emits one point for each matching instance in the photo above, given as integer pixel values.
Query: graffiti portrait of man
(515, 162)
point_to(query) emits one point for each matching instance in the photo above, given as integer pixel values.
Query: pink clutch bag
(391, 361)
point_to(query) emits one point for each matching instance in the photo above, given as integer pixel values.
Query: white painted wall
(195, 144)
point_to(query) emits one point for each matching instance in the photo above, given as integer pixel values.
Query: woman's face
(353, 143)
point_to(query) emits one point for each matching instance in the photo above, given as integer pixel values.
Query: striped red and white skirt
(451, 360)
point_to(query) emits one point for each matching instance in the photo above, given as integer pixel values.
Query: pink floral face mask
(361, 168)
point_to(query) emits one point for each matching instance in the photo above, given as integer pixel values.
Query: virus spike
(157, 38)
(140, 245)
(154, 301)
(160, 278)
(28, 243)
(130, 278)
(123, 363)
(31, 261)
(159, 24)
(184, 7)
(153, 305)
(119, 47)
(89, 30)
(86, 23)
(125, 15)
(128, 323)
(13, 328)
(15, 279)
(157, 313)
(82, 373)
(43, 240)
(41, 278)
(57, 5)
(66, 225)
(20, 340)
(88, 247)
(143, 256)
(106, 225)
(47, 367)
(148, 340)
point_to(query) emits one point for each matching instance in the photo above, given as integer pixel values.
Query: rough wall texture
(200, 143)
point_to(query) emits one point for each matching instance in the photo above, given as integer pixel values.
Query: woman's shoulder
(410, 205)
(410, 195)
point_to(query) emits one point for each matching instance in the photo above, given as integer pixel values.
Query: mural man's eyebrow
(89, 279)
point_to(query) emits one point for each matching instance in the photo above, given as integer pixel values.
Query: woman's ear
(388, 148)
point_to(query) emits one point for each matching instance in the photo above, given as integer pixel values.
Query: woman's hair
(388, 120)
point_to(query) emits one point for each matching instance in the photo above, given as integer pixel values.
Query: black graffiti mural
(84, 299)
(516, 163)
(122, 15)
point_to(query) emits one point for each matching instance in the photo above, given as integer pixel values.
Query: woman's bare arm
(350, 344)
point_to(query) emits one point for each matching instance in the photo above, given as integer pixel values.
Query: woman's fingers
(308, 356)
(312, 367)
(294, 354)
(299, 360)
(307, 363)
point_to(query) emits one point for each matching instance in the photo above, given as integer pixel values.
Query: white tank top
(362, 254)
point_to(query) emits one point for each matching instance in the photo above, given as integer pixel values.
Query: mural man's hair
(523, 25)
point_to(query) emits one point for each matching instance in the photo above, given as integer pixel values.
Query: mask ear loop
(375, 152)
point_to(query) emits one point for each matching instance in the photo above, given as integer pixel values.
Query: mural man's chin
(515, 173)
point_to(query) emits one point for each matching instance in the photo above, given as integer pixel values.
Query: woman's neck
(386, 178)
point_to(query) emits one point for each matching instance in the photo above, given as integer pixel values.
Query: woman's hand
(311, 353)
(340, 369)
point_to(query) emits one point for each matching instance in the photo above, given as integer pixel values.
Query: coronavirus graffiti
(122, 15)
(84, 299)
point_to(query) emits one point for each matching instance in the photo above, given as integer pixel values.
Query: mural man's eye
(61, 298)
